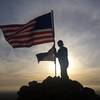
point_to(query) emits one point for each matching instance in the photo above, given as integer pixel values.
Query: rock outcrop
(56, 89)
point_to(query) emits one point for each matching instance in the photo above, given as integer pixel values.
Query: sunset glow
(76, 23)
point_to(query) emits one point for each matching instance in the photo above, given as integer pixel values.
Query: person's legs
(64, 74)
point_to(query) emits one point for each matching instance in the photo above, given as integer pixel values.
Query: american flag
(36, 31)
(47, 56)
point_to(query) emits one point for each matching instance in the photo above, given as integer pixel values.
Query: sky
(76, 22)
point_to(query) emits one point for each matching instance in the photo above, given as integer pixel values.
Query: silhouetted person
(62, 55)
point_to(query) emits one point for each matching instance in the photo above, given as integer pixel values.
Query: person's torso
(63, 54)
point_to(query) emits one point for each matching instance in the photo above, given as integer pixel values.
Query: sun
(58, 67)
(49, 67)
(73, 68)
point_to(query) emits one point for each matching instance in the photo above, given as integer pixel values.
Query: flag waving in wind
(47, 56)
(36, 31)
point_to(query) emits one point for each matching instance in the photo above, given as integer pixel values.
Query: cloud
(77, 22)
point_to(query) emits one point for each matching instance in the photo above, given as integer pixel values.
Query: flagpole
(52, 19)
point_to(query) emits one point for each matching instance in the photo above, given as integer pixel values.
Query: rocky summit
(56, 88)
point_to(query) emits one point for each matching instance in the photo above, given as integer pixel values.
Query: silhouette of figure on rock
(62, 55)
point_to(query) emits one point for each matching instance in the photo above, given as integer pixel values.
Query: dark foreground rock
(56, 89)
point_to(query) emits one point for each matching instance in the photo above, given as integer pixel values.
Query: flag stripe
(12, 25)
(44, 30)
(12, 32)
(30, 32)
(15, 26)
(16, 45)
(28, 39)
(44, 35)
(15, 29)
(35, 32)
(9, 30)
(27, 31)
(20, 28)
(24, 27)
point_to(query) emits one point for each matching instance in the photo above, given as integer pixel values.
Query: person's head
(60, 43)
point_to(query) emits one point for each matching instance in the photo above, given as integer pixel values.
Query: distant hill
(56, 88)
